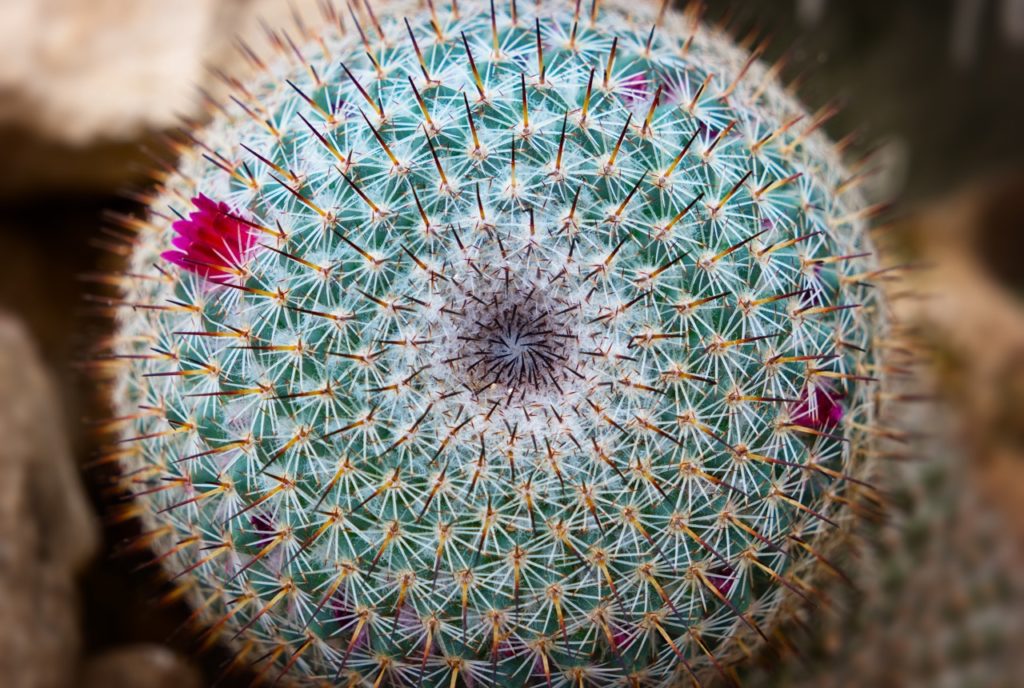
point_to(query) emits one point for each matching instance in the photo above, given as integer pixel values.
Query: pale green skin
(637, 428)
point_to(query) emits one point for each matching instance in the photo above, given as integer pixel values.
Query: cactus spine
(482, 344)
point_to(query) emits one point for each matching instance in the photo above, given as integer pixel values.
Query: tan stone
(47, 529)
(139, 666)
(83, 81)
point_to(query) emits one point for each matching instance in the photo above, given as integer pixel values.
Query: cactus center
(513, 342)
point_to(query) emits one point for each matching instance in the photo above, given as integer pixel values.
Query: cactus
(483, 344)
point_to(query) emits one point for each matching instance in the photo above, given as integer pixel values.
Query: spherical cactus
(494, 344)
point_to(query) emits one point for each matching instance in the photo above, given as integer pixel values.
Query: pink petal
(818, 407)
(211, 242)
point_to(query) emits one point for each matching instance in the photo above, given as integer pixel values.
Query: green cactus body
(537, 352)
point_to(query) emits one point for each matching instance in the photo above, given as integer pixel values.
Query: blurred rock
(83, 81)
(971, 311)
(80, 78)
(105, 69)
(47, 530)
(139, 666)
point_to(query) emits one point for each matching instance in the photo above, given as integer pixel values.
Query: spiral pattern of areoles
(500, 345)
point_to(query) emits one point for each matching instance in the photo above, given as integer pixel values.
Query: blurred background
(934, 90)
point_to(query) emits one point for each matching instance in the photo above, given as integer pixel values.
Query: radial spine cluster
(498, 343)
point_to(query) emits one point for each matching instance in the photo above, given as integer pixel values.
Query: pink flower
(633, 88)
(263, 525)
(722, 578)
(211, 242)
(817, 407)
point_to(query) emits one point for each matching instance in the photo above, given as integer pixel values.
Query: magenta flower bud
(817, 408)
(212, 242)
